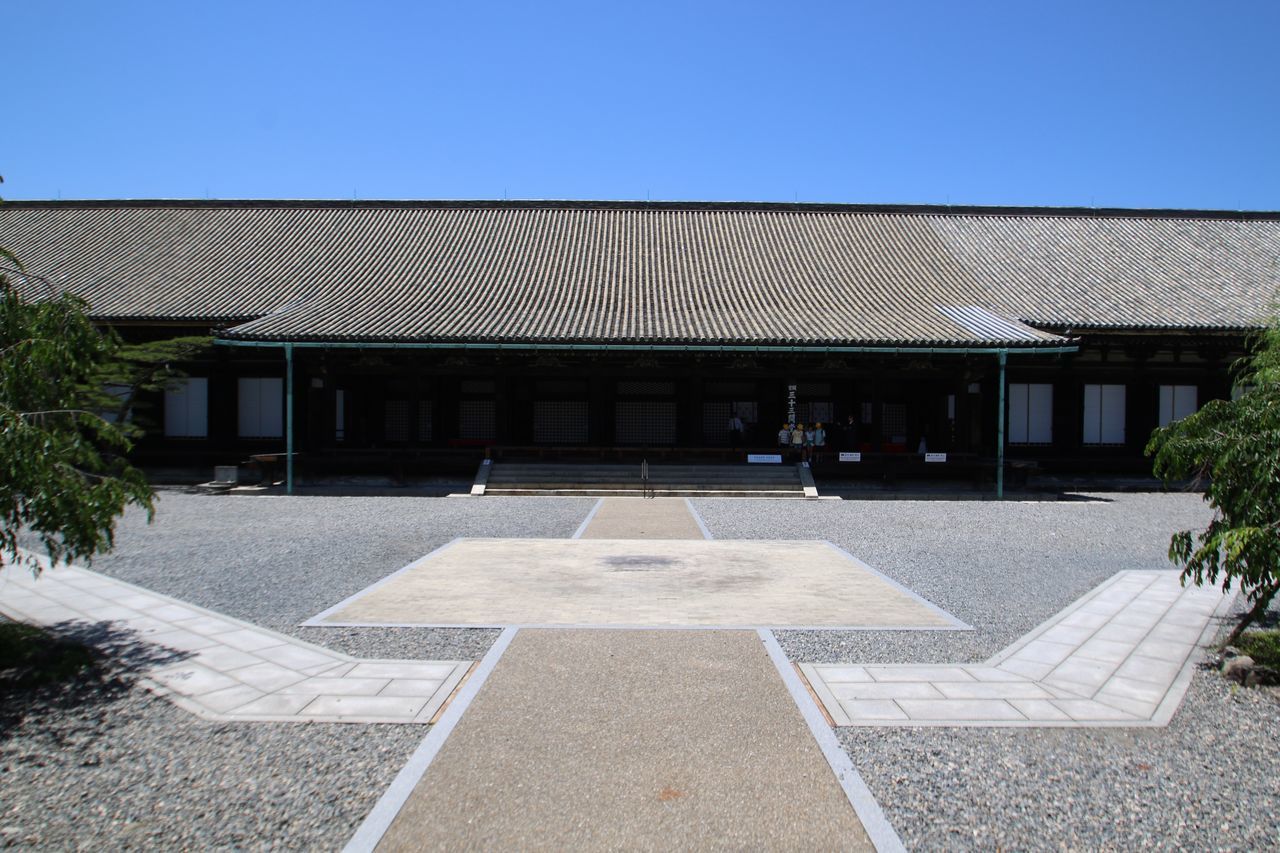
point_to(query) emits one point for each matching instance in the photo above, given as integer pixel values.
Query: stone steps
(512, 478)
(693, 492)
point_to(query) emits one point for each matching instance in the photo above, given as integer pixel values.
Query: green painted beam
(673, 348)
(1002, 416)
(288, 419)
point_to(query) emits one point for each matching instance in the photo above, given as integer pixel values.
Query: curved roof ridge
(1051, 211)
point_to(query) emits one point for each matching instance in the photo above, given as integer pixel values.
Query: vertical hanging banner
(791, 403)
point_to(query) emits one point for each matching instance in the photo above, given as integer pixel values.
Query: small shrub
(1262, 646)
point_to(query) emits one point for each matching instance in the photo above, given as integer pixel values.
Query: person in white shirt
(735, 430)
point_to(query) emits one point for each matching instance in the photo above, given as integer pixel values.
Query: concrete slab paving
(225, 669)
(634, 583)
(639, 740)
(640, 518)
(1074, 670)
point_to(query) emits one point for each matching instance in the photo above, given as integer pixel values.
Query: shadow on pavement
(116, 658)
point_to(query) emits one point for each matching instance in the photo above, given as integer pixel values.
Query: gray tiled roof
(1122, 271)
(579, 272)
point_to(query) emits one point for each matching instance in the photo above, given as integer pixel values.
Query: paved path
(586, 739)
(638, 583)
(1121, 656)
(226, 669)
(640, 518)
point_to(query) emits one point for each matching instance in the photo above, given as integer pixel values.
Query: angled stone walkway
(1121, 656)
(225, 669)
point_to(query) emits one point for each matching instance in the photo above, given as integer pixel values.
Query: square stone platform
(638, 583)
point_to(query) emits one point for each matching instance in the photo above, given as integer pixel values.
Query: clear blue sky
(1118, 103)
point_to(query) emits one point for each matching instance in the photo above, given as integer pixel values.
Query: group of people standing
(805, 442)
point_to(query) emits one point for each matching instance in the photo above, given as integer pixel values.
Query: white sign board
(850, 457)
(935, 457)
(767, 458)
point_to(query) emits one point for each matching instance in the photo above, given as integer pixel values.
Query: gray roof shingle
(1122, 271)
(672, 273)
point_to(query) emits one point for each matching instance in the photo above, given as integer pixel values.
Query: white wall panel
(1040, 414)
(1113, 414)
(260, 411)
(1104, 414)
(1018, 394)
(1030, 413)
(1176, 402)
(186, 408)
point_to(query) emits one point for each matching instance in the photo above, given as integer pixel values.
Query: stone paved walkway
(1121, 656)
(640, 518)
(635, 740)
(622, 739)
(225, 669)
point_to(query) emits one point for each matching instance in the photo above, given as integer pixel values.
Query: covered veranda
(418, 406)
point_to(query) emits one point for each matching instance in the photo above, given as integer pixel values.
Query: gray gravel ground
(1002, 568)
(107, 765)
(129, 770)
(1210, 780)
(112, 766)
(277, 561)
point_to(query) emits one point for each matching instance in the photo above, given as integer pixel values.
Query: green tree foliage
(121, 388)
(63, 476)
(1231, 448)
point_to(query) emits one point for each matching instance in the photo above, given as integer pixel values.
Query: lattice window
(649, 422)
(478, 386)
(731, 389)
(396, 423)
(560, 422)
(477, 419)
(646, 389)
(715, 422)
(426, 421)
(715, 419)
(817, 412)
(561, 387)
(893, 422)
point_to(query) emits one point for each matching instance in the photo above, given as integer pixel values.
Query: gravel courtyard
(112, 765)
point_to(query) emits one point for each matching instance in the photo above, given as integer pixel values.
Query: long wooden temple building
(407, 336)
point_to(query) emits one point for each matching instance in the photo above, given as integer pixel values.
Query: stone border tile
(231, 670)
(1130, 663)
